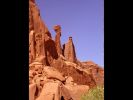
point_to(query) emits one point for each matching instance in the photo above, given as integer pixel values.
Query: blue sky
(81, 19)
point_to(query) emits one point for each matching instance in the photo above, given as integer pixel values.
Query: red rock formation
(69, 51)
(55, 73)
(52, 73)
(39, 36)
(35, 21)
(51, 52)
(36, 32)
(32, 90)
(77, 91)
(57, 29)
(96, 72)
(31, 47)
(79, 76)
(32, 1)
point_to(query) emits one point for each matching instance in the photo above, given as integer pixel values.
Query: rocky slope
(54, 72)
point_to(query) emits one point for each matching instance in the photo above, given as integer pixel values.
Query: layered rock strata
(55, 73)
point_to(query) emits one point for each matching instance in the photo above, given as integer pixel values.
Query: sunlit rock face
(54, 72)
(57, 29)
(41, 45)
(69, 50)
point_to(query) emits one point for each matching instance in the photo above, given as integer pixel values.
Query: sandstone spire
(57, 29)
(69, 50)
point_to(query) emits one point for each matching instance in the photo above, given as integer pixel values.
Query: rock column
(57, 29)
(69, 51)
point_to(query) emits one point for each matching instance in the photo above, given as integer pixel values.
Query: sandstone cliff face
(35, 21)
(41, 45)
(55, 73)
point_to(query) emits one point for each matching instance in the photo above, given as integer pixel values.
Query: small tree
(96, 93)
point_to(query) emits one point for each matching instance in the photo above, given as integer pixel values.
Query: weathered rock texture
(76, 91)
(57, 29)
(69, 50)
(78, 74)
(41, 43)
(35, 21)
(55, 73)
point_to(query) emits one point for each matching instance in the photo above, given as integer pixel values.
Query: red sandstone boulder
(69, 80)
(32, 90)
(50, 90)
(52, 73)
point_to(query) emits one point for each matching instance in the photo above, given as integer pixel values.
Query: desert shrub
(96, 93)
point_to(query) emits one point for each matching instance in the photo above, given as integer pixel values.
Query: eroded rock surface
(40, 42)
(55, 73)
(57, 29)
(69, 50)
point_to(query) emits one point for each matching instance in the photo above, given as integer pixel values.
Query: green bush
(96, 93)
